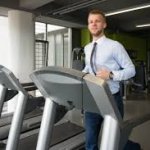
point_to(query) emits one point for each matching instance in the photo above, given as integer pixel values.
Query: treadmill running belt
(60, 133)
(7, 120)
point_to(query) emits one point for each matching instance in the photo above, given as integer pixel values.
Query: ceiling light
(143, 25)
(128, 9)
(75, 6)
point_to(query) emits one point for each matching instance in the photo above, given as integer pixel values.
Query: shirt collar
(100, 40)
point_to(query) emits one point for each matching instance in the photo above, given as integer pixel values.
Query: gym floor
(136, 104)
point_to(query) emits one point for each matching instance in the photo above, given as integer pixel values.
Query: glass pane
(40, 31)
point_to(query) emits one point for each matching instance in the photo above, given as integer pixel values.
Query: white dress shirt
(110, 55)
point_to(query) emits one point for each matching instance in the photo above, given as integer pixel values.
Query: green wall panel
(85, 37)
(129, 41)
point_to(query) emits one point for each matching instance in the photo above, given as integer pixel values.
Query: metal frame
(47, 123)
(3, 90)
(9, 81)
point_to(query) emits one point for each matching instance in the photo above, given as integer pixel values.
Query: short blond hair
(97, 11)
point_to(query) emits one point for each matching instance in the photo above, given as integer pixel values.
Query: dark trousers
(93, 122)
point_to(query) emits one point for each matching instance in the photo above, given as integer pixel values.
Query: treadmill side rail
(2, 97)
(47, 124)
(15, 129)
(9, 81)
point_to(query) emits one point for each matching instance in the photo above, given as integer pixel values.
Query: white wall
(21, 52)
(4, 41)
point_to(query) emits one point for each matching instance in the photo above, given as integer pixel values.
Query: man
(107, 60)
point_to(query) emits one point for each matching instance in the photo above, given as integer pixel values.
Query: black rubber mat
(60, 133)
(34, 123)
(7, 120)
(65, 131)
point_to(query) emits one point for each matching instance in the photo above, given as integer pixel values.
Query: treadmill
(66, 88)
(20, 128)
(13, 123)
(72, 88)
(33, 112)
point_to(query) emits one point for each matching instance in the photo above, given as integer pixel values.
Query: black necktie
(92, 56)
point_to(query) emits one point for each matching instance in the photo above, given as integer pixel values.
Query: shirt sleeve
(124, 61)
(86, 68)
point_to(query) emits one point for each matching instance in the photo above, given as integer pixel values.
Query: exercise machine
(28, 126)
(12, 124)
(78, 58)
(84, 91)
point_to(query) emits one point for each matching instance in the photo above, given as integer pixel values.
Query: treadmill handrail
(8, 79)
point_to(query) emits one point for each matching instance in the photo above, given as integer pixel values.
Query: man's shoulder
(113, 42)
(88, 45)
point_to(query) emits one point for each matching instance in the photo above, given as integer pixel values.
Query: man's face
(96, 24)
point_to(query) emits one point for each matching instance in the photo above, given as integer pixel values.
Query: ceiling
(73, 13)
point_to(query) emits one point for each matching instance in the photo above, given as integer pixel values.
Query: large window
(57, 48)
